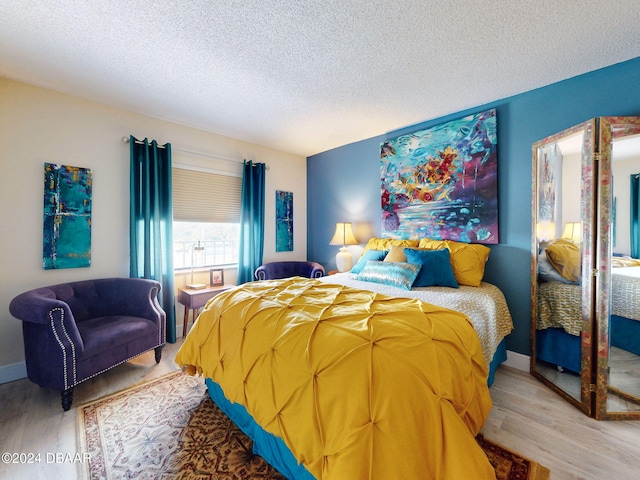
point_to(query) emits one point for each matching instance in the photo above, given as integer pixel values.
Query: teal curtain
(251, 220)
(635, 215)
(151, 222)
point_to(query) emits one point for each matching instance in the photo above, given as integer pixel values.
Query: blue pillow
(436, 268)
(369, 255)
(394, 274)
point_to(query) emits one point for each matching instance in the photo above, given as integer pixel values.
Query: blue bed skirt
(265, 444)
(498, 357)
(557, 347)
(272, 448)
(625, 334)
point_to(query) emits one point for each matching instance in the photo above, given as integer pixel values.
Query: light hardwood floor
(526, 417)
(536, 422)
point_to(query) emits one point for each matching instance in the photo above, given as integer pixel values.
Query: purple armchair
(273, 270)
(75, 331)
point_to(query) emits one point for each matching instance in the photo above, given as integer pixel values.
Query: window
(220, 242)
(206, 209)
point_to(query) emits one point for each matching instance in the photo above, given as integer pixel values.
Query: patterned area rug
(169, 428)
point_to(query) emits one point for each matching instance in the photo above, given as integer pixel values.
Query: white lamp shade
(573, 231)
(545, 231)
(343, 235)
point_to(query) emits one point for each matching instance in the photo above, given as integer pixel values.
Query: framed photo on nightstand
(216, 277)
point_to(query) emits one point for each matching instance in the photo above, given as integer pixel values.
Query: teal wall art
(67, 217)
(284, 221)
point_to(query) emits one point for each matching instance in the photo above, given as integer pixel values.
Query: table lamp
(195, 248)
(343, 236)
(573, 231)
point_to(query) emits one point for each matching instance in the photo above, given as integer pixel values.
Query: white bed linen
(485, 305)
(625, 292)
(560, 306)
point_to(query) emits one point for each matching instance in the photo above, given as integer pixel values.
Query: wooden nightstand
(193, 300)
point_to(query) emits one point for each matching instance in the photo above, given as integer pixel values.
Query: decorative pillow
(376, 243)
(396, 254)
(618, 261)
(368, 255)
(548, 273)
(395, 274)
(564, 255)
(467, 259)
(436, 267)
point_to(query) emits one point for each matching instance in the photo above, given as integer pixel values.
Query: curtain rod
(190, 152)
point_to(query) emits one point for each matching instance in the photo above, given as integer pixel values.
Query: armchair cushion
(275, 270)
(74, 331)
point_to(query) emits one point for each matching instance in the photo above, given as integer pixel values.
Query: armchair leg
(67, 399)
(158, 352)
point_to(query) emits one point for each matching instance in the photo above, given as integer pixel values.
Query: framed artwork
(442, 182)
(284, 221)
(67, 217)
(216, 277)
(547, 202)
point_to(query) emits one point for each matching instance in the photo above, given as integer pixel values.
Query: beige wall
(38, 126)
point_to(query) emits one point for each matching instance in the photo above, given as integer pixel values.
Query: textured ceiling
(307, 76)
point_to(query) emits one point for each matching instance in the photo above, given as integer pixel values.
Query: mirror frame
(597, 250)
(609, 128)
(587, 215)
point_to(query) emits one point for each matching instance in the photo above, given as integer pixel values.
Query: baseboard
(518, 361)
(10, 373)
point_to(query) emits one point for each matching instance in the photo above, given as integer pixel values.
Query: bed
(334, 382)
(625, 318)
(484, 305)
(338, 377)
(559, 317)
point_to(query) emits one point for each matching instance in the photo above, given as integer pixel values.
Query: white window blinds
(205, 197)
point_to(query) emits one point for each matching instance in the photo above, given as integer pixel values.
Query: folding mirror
(585, 266)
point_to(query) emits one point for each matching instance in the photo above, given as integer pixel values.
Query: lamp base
(344, 260)
(197, 286)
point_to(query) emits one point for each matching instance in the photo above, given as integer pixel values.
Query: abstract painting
(67, 217)
(547, 202)
(284, 221)
(442, 182)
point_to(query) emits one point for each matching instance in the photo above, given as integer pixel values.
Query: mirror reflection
(624, 326)
(585, 292)
(559, 262)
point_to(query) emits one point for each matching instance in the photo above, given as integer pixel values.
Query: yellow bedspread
(357, 384)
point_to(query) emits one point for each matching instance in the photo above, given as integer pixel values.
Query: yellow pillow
(386, 243)
(467, 259)
(564, 255)
(396, 254)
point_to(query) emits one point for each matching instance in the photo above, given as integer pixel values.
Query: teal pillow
(436, 268)
(395, 274)
(366, 256)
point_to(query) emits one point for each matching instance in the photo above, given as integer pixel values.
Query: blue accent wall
(343, 184)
